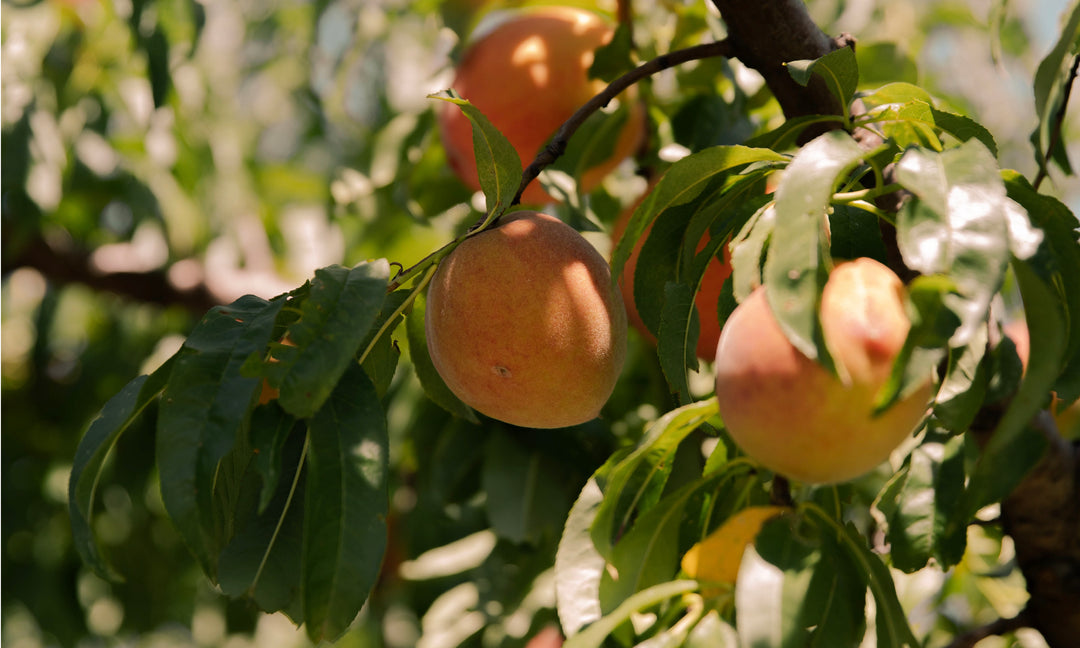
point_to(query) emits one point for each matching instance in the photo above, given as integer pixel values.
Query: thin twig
(557, 146)
(1059, 120)
(994, 628)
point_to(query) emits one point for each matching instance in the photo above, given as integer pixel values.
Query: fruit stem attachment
(557, 146)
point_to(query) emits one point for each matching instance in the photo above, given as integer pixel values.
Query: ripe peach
(524, 325)
(716, 273)
(528, 75)
(548, 637)
(795, 417)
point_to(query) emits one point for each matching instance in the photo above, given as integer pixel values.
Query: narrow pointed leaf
(1052, 80)
(634, 483)
(677, 339)
(594, 635)
(579, 567)
(430, 380)
(795, 271)
(205, 406)
(346, 505)
(119, 415)
(498, 164)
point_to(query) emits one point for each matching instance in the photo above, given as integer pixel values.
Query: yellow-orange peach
(716, 273)
(524, 325)
(528, 75)
(795, 417)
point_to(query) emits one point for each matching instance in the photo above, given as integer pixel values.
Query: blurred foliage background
(160, 157)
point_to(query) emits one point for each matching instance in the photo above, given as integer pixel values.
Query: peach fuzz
(524, 324)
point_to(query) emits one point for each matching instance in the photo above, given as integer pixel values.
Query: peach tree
(313, 462)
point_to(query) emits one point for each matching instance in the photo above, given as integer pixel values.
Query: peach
(528, 75)
(716, 273)
(524, 324)
(791, 414)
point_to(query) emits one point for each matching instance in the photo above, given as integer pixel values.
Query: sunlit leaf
(771, 588)
(1052, 84)
(958, 226)
(838, 69)
(578, 565)
(345, 506)
(497, 162)
(636, 480)
(594, 635)
(795, 270)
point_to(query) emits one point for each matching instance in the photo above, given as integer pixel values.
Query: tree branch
(74, 266)
(557, 146)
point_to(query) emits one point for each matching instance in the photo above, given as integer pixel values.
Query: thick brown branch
(765, 35)
(71, 265)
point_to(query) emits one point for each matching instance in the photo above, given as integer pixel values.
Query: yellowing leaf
(717, 557)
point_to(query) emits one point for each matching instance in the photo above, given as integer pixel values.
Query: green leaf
(262, 559)
(1053, 79)
(579, 567)
(497, 162)
(748, 249)
(712, 632)
(963, 388)
(121, 413)
(1058, 262)
(795, 271)
(380, 356)
(524, 498)
(430, 380)
(919, 508)
(957, 227)
(891, 621)
(682, 183)
(771, 591)
(346, 506)
(204, 409)
(634, 482)
(885, 62)
(334, 319)
(838, 69)
(855, 233)
(1014, 447)
(649, 552)
(270, 428)
(677, 338)
(594, 635)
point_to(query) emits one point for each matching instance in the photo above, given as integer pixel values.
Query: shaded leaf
(524, 498)
(429, 377)
(204, 408)
(677, 338)
(345, 507)
(119, 414)
(335, 318)
(1053, 79)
